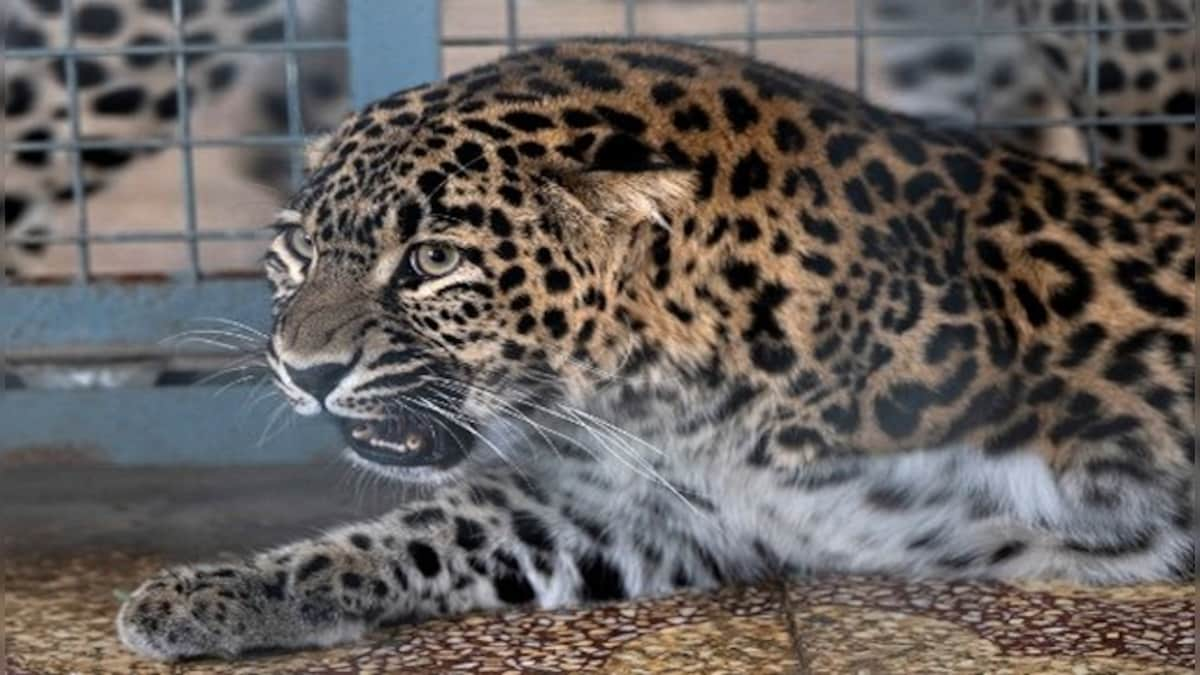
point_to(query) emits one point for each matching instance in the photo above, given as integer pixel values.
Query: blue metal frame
(393, 44)
(201, 425)
(124, 314)
(175, 425)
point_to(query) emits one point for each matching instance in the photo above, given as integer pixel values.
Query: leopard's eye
(434, 259)
(300, 244)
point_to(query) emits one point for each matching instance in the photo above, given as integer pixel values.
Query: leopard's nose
(319, 381)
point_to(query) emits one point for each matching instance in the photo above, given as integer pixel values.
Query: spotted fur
(710, 321)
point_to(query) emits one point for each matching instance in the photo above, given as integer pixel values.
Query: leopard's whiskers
(606, 438)
(502, 404)
(269, 429)
(246, 328)
(429, 197)
(456, 419)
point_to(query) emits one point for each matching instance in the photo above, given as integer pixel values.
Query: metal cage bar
(981, 93)
(752, 27)
(860, 47)
(511, 25)
(291, 68)
(182, 102)
(70, 64)
(421, 16)
(25, 53)
(819, 33)
(1093, 81)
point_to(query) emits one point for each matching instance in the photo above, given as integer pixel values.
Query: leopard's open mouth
(406, 440)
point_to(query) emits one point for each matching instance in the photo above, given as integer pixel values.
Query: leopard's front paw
(229, 610)
(188, 612)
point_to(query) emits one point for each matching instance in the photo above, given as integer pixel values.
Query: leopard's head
(429, 281)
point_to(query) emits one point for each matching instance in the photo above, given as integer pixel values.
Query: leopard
(623, 318)
(1035, 65)
(126, 106)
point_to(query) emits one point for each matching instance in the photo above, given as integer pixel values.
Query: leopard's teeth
(394, 447)
(393, 439)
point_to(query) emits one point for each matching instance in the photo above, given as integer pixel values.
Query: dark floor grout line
(793, 630)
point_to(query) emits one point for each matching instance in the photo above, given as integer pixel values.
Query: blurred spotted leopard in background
(628, 317)
(1044, 74)
(134, 97)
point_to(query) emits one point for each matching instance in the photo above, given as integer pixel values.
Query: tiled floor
(60, 600)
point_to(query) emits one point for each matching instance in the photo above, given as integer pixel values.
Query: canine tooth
(413, 441)
(362, 432)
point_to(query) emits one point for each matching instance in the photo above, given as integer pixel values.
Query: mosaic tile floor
(59, 619)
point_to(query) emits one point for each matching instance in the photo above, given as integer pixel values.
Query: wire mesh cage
(141, 83)
(148, 141)
(835, 40)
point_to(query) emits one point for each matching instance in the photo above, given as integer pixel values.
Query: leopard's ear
(316, 150)
(628, 183)
(633, 196)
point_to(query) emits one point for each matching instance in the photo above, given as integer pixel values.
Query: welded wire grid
(512, 38)
(180, 50)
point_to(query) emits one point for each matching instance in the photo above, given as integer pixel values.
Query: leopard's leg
(488, 544)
